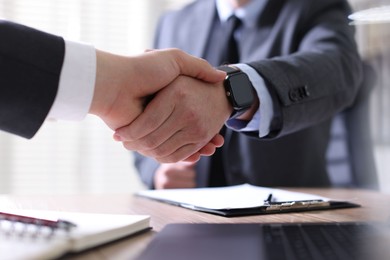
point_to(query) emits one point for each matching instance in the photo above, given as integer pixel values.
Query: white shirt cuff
(261, 120)
(77, 83)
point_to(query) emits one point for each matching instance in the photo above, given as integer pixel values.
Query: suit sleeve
(146, 168)
(30, 62)
(321, 76)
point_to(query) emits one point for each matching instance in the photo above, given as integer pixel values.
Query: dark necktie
(228, 55)
(230, 52)
(222, 46)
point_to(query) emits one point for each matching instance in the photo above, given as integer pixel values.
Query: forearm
(321, 77)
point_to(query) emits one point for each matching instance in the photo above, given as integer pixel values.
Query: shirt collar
(248, 14)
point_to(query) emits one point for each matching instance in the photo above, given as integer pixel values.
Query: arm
(30, 64)
(33, 60)
(315, 76)
(124, 84)
(322, 76)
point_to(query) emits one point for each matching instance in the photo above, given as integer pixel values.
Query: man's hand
(180, 120)
(123, 84)
(175, 175)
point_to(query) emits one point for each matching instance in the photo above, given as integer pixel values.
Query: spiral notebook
(27, 234)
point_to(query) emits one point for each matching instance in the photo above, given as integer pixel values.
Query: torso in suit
(305, 51)
(30, 65)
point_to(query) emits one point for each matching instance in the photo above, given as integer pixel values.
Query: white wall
(69, 157)
(373, 41)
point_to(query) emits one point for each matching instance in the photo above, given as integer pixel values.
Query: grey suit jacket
(305, 51)
(30, 65)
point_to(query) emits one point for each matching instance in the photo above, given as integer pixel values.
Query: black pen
(269, 199)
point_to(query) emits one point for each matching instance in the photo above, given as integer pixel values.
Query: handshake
(165, 104)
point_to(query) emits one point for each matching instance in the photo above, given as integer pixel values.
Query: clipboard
(244, 200)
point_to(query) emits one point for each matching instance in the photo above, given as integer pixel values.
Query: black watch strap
(230, 70)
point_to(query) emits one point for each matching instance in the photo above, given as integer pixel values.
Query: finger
(175, 184)
(188, 165)
(173, 149)
(218, 140)
(183, 153)
(188, 137)
(158, 143)
(162, 138)
(180, 179)
(193, 158)
(154, 115)
(198, 68)
(208, 150)
(181, 174)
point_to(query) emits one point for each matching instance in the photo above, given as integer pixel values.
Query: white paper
(232, 197)
(372, 15)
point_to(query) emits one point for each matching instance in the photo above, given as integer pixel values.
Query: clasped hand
(165, 104)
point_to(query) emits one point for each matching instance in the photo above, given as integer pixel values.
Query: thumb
(198, 68)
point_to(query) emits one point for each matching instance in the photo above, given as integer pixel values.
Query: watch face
(241, 90)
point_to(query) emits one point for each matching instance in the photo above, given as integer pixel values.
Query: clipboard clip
(277, 206)
(294, 205)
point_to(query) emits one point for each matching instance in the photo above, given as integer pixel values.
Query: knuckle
(159, 154)
(167, 158)
(129, 146)
(199, 132)
(150, 143)
(129, 135)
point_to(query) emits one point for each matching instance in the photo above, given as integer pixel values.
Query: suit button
(293, 95)
(299, 93)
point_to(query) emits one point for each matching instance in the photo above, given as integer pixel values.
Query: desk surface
(375, 207)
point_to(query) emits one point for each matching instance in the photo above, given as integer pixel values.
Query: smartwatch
(239, 89)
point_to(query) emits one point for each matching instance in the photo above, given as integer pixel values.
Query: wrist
(248, 115)
(107, 83)
(113, 99)
(239, 91)
(227, 105)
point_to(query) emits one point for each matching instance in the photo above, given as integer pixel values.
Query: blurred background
(74, 157)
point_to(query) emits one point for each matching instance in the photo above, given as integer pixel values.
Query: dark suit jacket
(305, 51)
(30, 65)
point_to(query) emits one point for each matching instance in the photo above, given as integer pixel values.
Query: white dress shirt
(77, 83)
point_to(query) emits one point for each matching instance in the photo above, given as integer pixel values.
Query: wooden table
(375, 207)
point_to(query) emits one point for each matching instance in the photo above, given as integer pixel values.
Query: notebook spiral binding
(19, 225)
